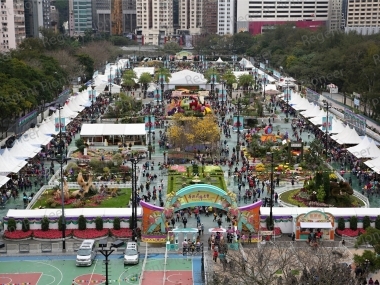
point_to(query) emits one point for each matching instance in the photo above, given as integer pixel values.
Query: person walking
(215, 255)
(184, 221)
(202, 228)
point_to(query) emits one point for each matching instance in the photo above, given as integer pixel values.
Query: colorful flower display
(90, 233)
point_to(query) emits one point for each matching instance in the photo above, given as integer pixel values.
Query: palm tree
(162, 71)
(144, 80)
(129, 79)
(245, 80)
(229, 78)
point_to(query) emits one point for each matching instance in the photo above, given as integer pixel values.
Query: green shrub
(25, 225)
(341, 224)
(354, 223)
(268, 224)
(45, 224)
(60, 223)
(377, 223)
(99, 223)
(82, 223)
(366, 222)
(12, 225)
(116, 223)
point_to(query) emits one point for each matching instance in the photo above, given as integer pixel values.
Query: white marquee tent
(337, 127)
(245, 63)
(91, 130)
(374, 164)
(35, 137)
(219, 60)
(303, 104)
(317, 120)
(187, 78)
(23, 150)
(3, 180)
(314, 111)
(348, 136)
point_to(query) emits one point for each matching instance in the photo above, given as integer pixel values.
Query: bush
(354, 223)
(99, 223)
(116, 224)
(25, 225)
(79, 143)
(366, 222)
(60, 223)
(377, 223)
(341, 224)
(269, 226)
(12, 225)
(45, 224)
(82, 223)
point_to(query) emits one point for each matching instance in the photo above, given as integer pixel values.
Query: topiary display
(45, 224)
(341, 224)
(366, 222)
(354, 223)
(99, 223)
(60, 223)
(12, 225)
(82, 223)
(25, 225)
(377, 222)
(116, 224)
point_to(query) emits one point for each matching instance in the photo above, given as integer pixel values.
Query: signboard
(149, 123)
(201, 196)
(357, 95)
(158, 95)
(356, 102)
(213, 78)
(26, 119)
(266, 233)
(161, 79)
(276, 74)
(234, 86)
(238, 124)
(203, 93)
(262, 65)
(222, 95)
(59, 126)
(288, 94)
(91, 94)
(311, 95)
(355, 121)
(296, 145)
(325, 123)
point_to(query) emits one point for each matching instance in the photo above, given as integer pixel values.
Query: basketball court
(61, 270)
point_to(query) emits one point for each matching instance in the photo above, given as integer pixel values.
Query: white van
(86, 253)
(131, 253)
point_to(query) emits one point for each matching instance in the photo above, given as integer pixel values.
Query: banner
(325, 123)
(162, 79)
(238, 124)
(158, 95)
(149, 123)
(288, 94)
(355, 121)
(222, 95)
(311, 95)
(276, 74)
(91, 94)
(213, 78)
(58, 126)
(262, 65)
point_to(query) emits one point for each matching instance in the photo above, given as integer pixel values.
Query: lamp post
(265, 83)
(110, 81)
(287, 98)
(212, 83)
(92, 100)
(271, 194)
(106, 252)
(238, 130)
(222, 81)
(134, 162)
(157, 95)
(60, 158)
(150, 127)
(162, 80)
(327, 106)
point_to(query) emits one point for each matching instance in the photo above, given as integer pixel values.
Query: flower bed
(18, 235)
(277, 231)
(90, 233)
(51, 234)
(349, 232)
(122, 233)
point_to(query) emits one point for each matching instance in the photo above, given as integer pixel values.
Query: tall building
(335, 15)
(129, 17)
(256, 16)
(190, 17)
(210, 17)
(54, 16)
(12, 24)
(363, 16)
(80, 16)
(37, 15)
(226, 15)
(154, 20)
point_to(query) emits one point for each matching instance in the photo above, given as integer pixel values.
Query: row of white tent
(29, 144)
(365, 147)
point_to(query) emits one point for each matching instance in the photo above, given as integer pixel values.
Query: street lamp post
(271, 194)
(157, 95)
(222, 81)
(238, 131)
(134, 162)
(150, 139)
(327, 106)
(92, 100)
(287, 98)
(110, 81)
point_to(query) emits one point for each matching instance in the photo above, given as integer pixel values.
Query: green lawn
(119, 201)
(178, 181)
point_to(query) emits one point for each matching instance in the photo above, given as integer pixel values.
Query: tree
(144, 80)
(246, 80)
(371, 237)
(229, 78)
(171, 48)
(88, 63)
(209, 73)
(162, 72)
(129, 79)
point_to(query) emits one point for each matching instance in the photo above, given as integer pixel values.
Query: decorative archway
(155, 219)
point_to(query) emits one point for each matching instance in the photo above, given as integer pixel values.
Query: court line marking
(39, 279)
(93, 270)
(51, 277)
(10, 279)
(125, 270)
(51, 266)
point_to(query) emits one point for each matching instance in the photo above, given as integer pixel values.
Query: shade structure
(337, 127)
(304, 104)
(349, 136)
(316, 225)
(90, 130)
(35, 137)
(23, 150)
(48, 127)
(358, 149)
(366, 151)
(374, 164)
(317, 120)
(246, 63)
(312, 112)
(3, 180)
(187, 78)
(219, 60)
(217, 230)
(10, 166)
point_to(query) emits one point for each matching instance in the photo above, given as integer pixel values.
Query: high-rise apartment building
(209, 17)
(256, 16)
(80, 16)
(226, 15)
(190, 17)
(129, 16)
(37, 15)
(363, 16)
(154, 20)
(335, 15)
(12, 24)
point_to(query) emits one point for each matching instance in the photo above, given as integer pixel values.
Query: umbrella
(217, 230)
(272, 92)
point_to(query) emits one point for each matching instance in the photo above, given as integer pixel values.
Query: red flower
(90, 233)
(18, 234)
(122, 233)
(51, 234)
(349, 232)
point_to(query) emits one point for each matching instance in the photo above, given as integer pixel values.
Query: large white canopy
(187, 77)
(23, 150)
(35, 137)
(92, 130)
(303, 104)
(246, 63)
(348, 136)
(311, 112)
(366, 149)
(374, 164)
(317, 120)
(316, 225)
(337, 127)
(219, 60)
(7, 167)
(141, 70)
(3, 180)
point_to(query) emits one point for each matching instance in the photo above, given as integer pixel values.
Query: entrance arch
(155, 219)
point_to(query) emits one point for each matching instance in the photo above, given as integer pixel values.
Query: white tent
(311, 112)
(303, 104)
(358, 149)
(23, 150)
(337, 127)
(35, 137)
(220, 60)
(245, 63)
(317, 120)
(10, 166)
(91, 130)
(368, 151)
(349, 136)
(3, 180)
(374, 164)
(48, 127)
(187, 77)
